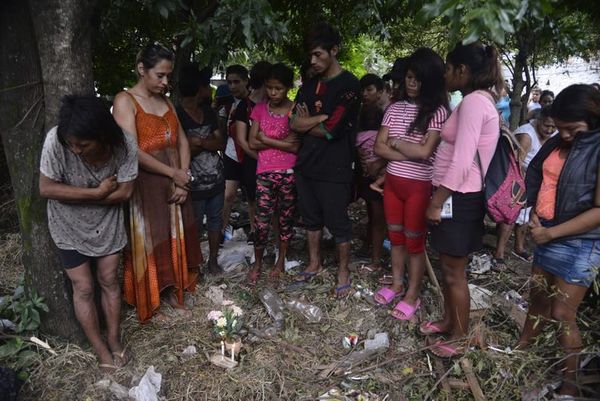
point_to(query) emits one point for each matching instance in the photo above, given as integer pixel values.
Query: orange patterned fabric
(163, 249)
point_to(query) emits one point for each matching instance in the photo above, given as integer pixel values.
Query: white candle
(222, 348)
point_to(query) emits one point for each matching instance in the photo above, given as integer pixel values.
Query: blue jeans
(213, 209)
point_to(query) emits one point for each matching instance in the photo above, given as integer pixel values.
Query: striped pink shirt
(397, 119)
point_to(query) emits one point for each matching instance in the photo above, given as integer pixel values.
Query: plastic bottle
(274, 306)
(311, 312)
(228, 233)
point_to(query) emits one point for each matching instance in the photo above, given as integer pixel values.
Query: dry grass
(288, 367)
(11, 267)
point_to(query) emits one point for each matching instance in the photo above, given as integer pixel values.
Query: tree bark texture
(518, 101)
(44, 54)
(63, 33)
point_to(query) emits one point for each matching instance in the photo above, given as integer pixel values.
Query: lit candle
(222, 348)
(232, 355)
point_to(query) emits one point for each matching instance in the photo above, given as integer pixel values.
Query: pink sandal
(387, 294)
(446, 350)
(429, 328)
(407, 310)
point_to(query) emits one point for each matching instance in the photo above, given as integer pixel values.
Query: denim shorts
(576, 261)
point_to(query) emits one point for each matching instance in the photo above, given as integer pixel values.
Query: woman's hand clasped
(181, 178)
(539, 233)
(107, 186)
(179, 196)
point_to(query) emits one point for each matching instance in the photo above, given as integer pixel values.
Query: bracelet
(189, 173)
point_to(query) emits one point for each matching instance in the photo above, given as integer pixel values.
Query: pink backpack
(504, 185)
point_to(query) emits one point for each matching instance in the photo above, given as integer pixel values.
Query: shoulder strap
(477, 157)
(135, 102)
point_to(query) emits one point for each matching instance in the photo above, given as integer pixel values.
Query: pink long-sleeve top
(473, 126)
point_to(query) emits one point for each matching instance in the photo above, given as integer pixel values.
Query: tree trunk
(63, 32)
(34, 74)
(518, 102)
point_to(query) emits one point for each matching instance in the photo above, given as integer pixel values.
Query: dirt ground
(305, 360)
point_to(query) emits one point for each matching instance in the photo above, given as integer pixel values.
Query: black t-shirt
(242, 114)
(330, 159)
(206, 166)
(243, 110)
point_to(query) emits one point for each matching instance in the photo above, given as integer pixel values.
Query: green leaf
(9, 349)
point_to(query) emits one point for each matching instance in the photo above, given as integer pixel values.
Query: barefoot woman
(164, 254)
(87, 169)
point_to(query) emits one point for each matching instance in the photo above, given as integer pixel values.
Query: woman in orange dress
(163, 254)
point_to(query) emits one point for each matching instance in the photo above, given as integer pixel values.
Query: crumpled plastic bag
(215, 294)
(480, 264)
(148, 388)
(233, 254)
(480, 297)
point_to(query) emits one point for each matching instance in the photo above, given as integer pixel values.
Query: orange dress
(163, 249)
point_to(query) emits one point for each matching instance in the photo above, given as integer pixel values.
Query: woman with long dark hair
(408, 137)
(563, 187)
(88, 168)
(469, 139)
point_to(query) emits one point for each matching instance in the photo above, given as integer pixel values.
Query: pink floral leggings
(275, 193)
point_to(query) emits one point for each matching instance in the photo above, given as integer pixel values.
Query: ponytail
(483, 63)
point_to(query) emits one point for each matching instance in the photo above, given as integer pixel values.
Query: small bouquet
(227, 323)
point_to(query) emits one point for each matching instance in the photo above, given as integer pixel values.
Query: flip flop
(108, 367)
(407, 310)
(340, 291)
(387, 294)
(366, 270)
(499, 264)
(524, 256)
(445, 350)
(386, 279)
(124, 356)
(306, 276)
(429, 328)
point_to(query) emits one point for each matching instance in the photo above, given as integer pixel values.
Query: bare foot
(122, 358)
(214, 268)
(106, 363)
(161, 317)
(253, 275)
(179, 309)
(276, 273)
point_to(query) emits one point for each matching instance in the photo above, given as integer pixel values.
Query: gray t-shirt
(92, 230)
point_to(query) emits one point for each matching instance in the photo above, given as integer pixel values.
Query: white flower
(214, 315)
(227, 302)
(237, 311)
(221, 322)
